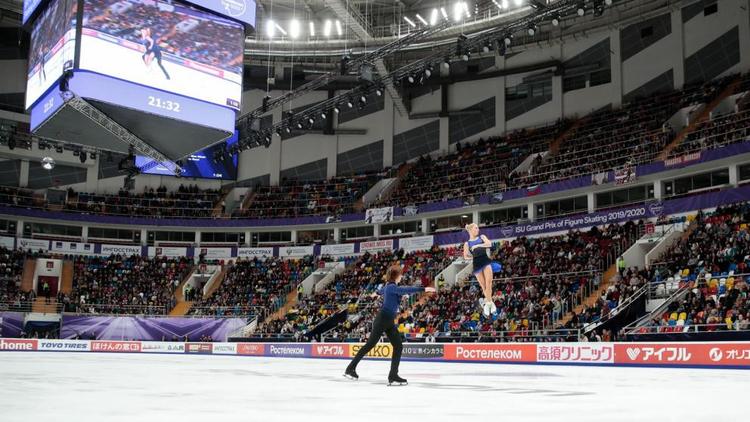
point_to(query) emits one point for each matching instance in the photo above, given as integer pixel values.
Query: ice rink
(139, 387)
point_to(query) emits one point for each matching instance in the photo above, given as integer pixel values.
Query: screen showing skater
(165, 45)
(206, 164)
(52, 48)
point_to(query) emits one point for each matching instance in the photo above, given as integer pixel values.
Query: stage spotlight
(48, 163)
(349, 103)
(581, 9)
(465, 56)
(556, 20)
(410, 22)
(323, 115)
(486, 47)
(531, 30)
(446, 63)
(379, 92)
(410, 78)
(433, 17)
(327, 28)
(299, 125)
(312, 28)
(363, 99)
(427, 73)
(336, 109)
(458, 11)
(311, 121)
(338, 28)
(508, 40)
(421, 19)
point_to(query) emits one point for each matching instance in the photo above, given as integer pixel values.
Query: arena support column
(734, 176)
(23, 175)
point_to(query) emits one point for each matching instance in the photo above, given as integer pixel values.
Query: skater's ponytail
(393, 273)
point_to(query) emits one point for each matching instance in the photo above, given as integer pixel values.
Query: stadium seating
(719, 132)
(11, 270)
(332, 197)
(125, 285)
(186, 201)
(253, 284)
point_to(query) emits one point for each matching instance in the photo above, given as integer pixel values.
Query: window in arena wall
(314, 236)
(361, 232)
(273, 237)
(400, 228)
(689, 184)
(562, 207)
(216, 237)
(187, 237)
(745, 172)
(624, 196)
(503, 216)
(451, 223)
(8, 227)
(56, 230)
(107, 233)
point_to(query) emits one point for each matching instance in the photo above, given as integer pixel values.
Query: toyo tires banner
(734, 355)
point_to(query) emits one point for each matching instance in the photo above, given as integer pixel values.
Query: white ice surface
(184, 388)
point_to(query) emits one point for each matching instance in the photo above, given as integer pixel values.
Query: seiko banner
(33, 244)
(345, 249)
(254, 252)
(376, 245)
(420, 243)
(379, 215)
(296, 251)
(216, 253)
(125, 250)
(170, 252)
(72, 248)
(7, 242)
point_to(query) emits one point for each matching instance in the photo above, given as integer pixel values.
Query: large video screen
(165, 45)
(201, 164)
(52, 47)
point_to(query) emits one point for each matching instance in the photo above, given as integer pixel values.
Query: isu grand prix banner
(735, 355)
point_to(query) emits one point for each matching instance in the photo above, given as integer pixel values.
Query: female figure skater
(153, 51)
(383, 323)
(476, 249)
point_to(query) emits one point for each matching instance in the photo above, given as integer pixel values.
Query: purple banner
(148, 328)
(11, 324)
(151, 100)
(46, 107)
(619, 215)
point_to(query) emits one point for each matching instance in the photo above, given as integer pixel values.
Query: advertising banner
(251, 349)
(295, 251)
(288, 350)
(420, 243)
(167, 251)
(65, 345)
(162, 347)
(254, 252)
(7, 242)
(380, 351)
(504, 352)
(125, 250)
(379, 215)
(343, 249)
(576, 352)
(216, 253)
(225, 349)
(683, 159)
(115, 346)
(424, 351)
(72, 248)
(331, 350)
(376, 245)
(202, 348)
(33, 244)
(711, 354)
(18, 345)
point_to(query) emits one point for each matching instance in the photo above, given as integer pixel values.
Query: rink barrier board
(734, 355)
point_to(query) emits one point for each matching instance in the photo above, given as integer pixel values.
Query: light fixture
(444, 13)
(466, 9)
(433, 17)
(323, 115)
(294, 29)
(446, 63)
(327, 28)
(465, 56)
(504, 3)
(486, 47)
(458, 11)
(312, 28)
(410, 78)
(82, 156)
(311, 121)
(270, 28)
(336, 109)
(338, 28)
(349, 103)
(48, 163)
(378, 92)
(508, 40)
(556, 20)
(519, 2)
(410, 22)
(363, 99)
(581, 9)
(531, 29)
(282, 30)
(299, 125)
(421, 19)
(428, 72)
